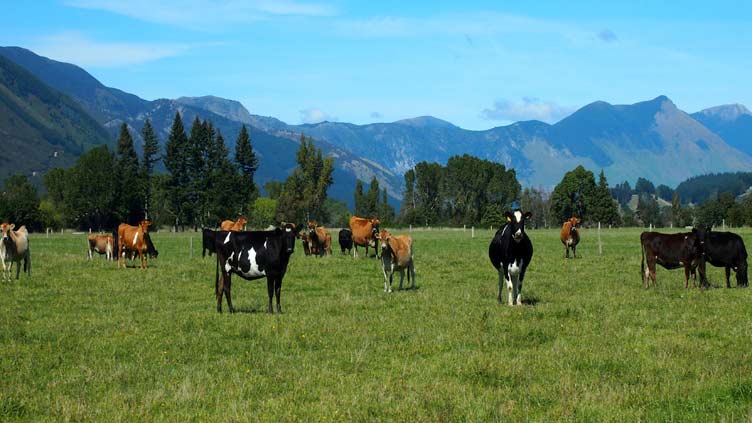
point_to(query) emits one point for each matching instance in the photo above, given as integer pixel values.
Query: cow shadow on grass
(530, 301)
(250, 310)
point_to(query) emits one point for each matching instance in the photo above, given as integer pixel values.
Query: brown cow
(102, 244)
(672, 251)
(14, 246)
(320, 239)
(570, 236)
(396, 256)
(364, 233)
(238, 225)
(132, 238)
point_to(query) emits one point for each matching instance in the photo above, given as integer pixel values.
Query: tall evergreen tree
(603, 208)
(150, 158)
(386, 211)
(305, 189)
(130, 187)
(177, 163)
(248, 163)
(359, 199)
(372, 199)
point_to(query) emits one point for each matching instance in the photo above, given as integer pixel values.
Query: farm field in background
(85, 341)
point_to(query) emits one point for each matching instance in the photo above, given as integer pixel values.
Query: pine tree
(150, 158)
(176, 162)
(372, 199)
(386, 211)
(359, 198)
(130, 187)
(248, 163)
(304, 191)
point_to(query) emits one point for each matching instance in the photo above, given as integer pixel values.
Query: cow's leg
(566, 251)
(18, 268)
(686, 276)
(228, 295)
(270, 291)
(278, 292)
(574, 251)
(728, 275)
(219, 287)
(387, 285)
(402, 278)
(521, 279)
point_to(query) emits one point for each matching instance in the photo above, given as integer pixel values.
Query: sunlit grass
(85, 341)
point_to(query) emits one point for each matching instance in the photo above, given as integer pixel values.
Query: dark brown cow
(570, 236)
(365, 232)
(320, 239)
(133, 238)
(102, 244)
(672, 251)
(14, 246)
(238, 225)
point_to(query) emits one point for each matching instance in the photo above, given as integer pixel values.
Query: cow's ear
(508, 215)
(11, 226)
(528, 215)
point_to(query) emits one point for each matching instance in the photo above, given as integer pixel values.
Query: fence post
(411, 227)
(464, 228)
(191, 246)
(600, 244)
(472, 232)
(724, 224)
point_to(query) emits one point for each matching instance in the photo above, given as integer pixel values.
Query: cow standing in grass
(365, 232)
(510, 253)
(320, 239)
(570, 236)
(672, 251)
(133, 238)
(345, 240)
(727, 250)
(396, 256)
(253, 255)
(101, 244)
(14, 246)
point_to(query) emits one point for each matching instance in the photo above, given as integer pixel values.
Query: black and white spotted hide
(510, 253)
(253, 255)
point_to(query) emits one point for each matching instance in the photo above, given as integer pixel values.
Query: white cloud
(315, 115)
(529, 108)
(76, 48)
(201, 13)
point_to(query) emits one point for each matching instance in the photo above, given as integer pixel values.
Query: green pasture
(85, 341)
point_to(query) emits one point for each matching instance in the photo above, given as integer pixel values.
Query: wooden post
(191, 246)
(600, 244)
(464, 228)
(411, 227)
(724, 224)
(472, 232)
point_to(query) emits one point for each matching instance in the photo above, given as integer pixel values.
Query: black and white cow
(727, 250)
(253, 255)
(510, 253)
(345, 240)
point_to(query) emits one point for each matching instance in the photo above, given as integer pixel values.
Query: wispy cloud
(607, 36)
(315, 115)
(376, 115)
(528, 109)
(200, 13)
(76, 48)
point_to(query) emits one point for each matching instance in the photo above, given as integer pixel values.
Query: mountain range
(652, 139)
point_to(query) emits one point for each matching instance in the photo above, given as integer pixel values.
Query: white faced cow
(510, 253)
(14, 246)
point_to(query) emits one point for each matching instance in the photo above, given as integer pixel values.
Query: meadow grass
(85, 341)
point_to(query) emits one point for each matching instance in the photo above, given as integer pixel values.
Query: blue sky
(476, 64)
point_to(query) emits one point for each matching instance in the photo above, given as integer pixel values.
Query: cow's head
(384, 237)
(6, 228)
(516, 223)
(374, 231)
(573, 222)
(701, 235)
(288, 237)
(241, 221)
(144, 225)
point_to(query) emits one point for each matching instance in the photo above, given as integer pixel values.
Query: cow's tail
(741, 274)
(217, 289)
(27, 260)
(642, 267)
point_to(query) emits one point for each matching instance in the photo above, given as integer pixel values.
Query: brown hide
(132, 238)
(102, 244)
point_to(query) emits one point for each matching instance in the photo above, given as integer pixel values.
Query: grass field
(84, 341)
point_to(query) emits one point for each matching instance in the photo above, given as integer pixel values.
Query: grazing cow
(345, 240)
(727, 250)
(150, 249)
(253, 255)
(396, 256)
(570, 236)
(510, 253)
(320, 238)
(364, 234)
(238, 225)
(133, 238)
(14, 246)
(672, 251)
(102, 244)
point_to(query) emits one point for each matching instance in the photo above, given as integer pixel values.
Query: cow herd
(266, 254)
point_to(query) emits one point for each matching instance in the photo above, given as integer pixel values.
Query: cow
(396, 256)
(238, 225)
(102, 244)
(253, 255)
(305, 239)
(570, 236)
(511, 252)
(320, 239)
(14, 246)
(365, 232)
(672, 251)
(345, 240)
(727, 250)
(150, 249)
(207, 242)
(133, 238)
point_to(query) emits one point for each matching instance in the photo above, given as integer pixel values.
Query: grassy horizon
(84, 341)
